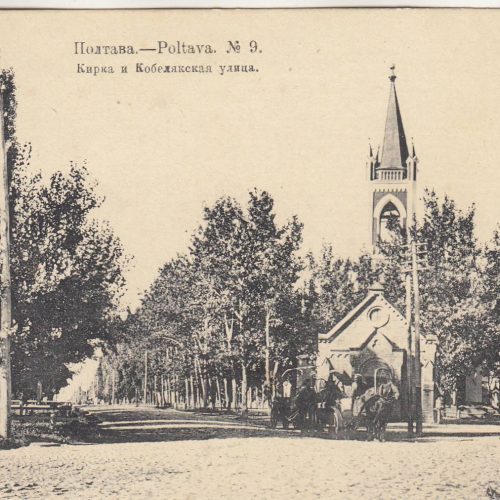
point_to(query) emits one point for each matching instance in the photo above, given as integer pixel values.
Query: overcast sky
(161, 146)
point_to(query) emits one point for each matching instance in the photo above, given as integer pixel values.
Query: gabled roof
(350, 317)
(395, 149)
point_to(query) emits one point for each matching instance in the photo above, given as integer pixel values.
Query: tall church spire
(393, 178)
(395, 148)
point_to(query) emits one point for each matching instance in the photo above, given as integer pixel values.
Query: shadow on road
(153, 425)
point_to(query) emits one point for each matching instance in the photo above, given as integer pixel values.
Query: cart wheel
(298, 423)
(286, 423)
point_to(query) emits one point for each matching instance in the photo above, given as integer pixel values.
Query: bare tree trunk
(176, 390)
(169, 391)
(268, 347)
(274, 378)
(113, 386)
(244, 401)
(219, 394)
(234, 388)
(191, 391)
(208, 385)
(203, 383)
(198, 383)
(198, 396)
(146, 377)
(228, 393)
(172, 391)
(162, 391)
(186, 386)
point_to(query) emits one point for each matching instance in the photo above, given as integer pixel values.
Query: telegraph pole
(414, 370)
(409, 358)
(417, 365)
(5, 285)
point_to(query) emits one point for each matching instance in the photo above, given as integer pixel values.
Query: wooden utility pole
(417, 374)
(5, 285)
(409, 358)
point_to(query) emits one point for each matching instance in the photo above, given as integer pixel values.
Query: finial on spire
(370, 147)
(392, 76)
(412, 148)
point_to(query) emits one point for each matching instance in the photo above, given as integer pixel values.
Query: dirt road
(176, 455)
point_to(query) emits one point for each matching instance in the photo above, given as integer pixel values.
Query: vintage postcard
(250, 254)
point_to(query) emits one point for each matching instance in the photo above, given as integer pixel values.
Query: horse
(280, 412)
(378, 411)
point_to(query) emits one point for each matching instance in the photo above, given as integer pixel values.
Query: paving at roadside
(180, 455)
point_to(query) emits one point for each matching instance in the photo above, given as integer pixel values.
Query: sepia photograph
(250, 254)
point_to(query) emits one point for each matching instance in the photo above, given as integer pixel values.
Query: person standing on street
(305, 401)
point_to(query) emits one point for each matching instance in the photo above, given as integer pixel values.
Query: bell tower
(392, 175)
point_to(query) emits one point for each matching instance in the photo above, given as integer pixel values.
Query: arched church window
(388, 216)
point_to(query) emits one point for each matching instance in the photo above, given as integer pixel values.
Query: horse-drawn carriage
(317, 416)
(330, 410)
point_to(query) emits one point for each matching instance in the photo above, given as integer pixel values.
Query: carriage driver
(387, 389)
(358, 390)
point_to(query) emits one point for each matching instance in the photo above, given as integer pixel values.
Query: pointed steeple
(395, 148)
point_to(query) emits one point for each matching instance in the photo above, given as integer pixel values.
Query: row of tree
(67, 268)
(221, 323)
(225, 317)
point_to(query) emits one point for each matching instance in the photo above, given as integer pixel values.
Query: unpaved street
(171, 457)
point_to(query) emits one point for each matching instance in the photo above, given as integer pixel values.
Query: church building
(372, 339)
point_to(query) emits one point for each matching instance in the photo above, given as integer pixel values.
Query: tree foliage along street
(458, 288)
(67, 268)
(241, 305)
(226, 316)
